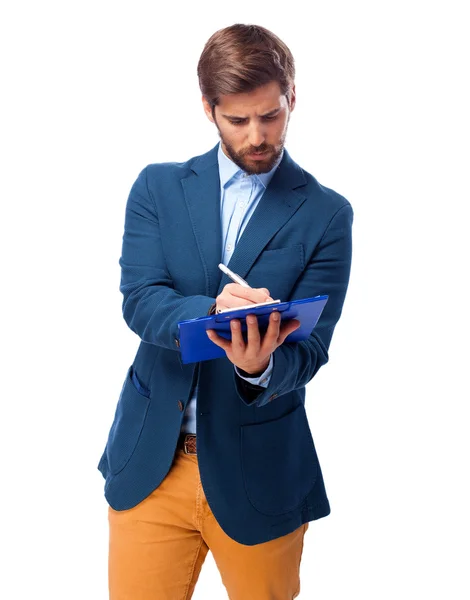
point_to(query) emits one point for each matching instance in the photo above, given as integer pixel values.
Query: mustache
(262, 148)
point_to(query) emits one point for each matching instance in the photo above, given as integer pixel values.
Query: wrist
(255, 371)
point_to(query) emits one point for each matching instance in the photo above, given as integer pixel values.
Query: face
(253, 126)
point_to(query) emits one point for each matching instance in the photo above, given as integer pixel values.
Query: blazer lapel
(202, 196)
(279, 202)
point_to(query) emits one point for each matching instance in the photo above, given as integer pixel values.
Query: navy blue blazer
(257, 459)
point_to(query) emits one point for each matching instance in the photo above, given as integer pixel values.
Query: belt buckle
(185, 445)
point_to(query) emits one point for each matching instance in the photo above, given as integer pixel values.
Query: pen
(233, 276)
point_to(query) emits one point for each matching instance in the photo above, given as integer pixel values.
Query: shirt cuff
(263, 379)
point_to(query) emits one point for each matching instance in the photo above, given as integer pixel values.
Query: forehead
(259, 101)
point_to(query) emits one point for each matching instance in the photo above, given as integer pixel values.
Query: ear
(292, 99)
(207, 109)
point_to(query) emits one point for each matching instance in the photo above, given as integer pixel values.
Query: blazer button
(177, 342)
(180, 405)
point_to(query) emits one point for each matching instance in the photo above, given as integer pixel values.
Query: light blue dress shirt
(239, 196)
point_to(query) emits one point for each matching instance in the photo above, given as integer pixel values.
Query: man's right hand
(234, 295)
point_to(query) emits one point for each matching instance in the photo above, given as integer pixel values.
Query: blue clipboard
(195, 346)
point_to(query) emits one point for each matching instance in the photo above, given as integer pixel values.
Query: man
(219, 455)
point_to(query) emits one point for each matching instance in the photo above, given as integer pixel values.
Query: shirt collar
(228, 169)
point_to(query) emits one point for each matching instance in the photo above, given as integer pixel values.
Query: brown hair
(240, 58)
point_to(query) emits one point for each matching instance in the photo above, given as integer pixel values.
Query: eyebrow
(271, 113)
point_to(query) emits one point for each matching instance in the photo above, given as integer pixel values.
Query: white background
(92, 93)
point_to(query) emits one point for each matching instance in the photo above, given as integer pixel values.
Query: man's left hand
(253, 356)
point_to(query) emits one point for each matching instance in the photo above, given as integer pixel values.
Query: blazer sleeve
(327, 272)
(151, 306)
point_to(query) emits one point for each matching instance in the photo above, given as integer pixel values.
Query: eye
(236, 121)
(272, 118)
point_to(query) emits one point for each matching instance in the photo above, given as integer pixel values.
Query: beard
(250, 166)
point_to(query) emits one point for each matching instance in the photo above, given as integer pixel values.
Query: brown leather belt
(187, 443)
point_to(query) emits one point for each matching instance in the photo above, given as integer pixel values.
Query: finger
(227, 299)
(218, 340)
(272, 332)
(238, 343)
(234, 303)
(253, 335)
(235, 292)
(259, 294)
(286, 329)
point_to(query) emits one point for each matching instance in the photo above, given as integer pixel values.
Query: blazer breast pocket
(278, 270)
(129, 419)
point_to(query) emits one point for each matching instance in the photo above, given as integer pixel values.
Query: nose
(256, 135)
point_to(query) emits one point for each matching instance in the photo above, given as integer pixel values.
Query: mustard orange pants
(157, 548)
